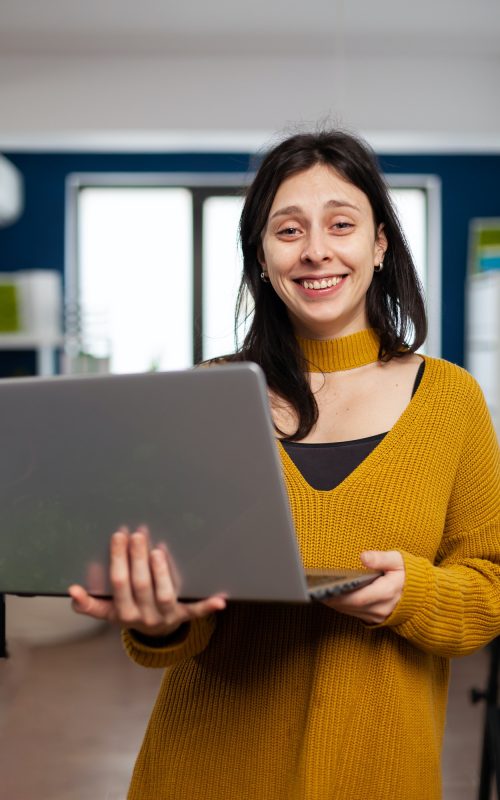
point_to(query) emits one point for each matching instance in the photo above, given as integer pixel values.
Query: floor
(72, 717)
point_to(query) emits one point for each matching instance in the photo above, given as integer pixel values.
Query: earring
(378, 267)
(264, 277)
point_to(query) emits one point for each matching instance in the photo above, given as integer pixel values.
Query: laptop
(190, 453)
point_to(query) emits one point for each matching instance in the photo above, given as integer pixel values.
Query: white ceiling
(218, 27)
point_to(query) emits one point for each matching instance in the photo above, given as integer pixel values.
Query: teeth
(324, 283)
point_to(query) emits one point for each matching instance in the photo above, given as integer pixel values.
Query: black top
(326, 465)
(323, 466)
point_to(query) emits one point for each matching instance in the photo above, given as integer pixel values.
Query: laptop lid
(190, 453)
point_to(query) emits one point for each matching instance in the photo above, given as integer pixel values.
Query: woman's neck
(346, 352)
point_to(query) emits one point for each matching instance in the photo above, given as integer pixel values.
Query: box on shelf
(484, 245)
(9, 306)
(32, 303)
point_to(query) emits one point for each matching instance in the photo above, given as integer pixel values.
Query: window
(153, 266)
(417, 199)
(222, 267)
(135, 277)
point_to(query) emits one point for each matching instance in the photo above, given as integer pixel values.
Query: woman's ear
(381, 243)
(260, 255)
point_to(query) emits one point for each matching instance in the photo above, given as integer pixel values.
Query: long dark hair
(394, 302)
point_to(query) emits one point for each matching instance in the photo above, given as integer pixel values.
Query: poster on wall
(484, 245)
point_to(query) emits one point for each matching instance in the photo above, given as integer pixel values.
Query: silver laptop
(189, 453)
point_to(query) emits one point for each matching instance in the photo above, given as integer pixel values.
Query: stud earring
(378, 267)
(264, 277)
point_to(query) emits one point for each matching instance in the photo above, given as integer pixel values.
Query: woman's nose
(317, 248)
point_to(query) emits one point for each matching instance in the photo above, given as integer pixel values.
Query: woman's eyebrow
(341, 204)
(289, 210)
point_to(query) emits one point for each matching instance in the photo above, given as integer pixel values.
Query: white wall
(117, 99)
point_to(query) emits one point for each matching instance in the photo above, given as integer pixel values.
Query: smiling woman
(347, 229)
(319, 250)
(390, 460)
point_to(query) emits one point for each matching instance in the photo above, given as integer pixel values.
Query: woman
(388, 457)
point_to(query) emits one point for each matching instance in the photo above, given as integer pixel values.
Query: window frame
(431, 184)
(201, 186)
(205, 185)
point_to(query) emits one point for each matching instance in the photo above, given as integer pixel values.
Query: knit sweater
(299, 702)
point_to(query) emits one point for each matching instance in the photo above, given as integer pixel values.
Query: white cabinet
(37, 313)
(483, 336)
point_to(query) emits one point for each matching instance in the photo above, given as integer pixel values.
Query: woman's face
(319, 248)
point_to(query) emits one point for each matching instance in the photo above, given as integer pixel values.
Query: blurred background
(128, 133)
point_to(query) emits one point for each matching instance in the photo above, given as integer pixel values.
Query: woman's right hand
(145, 589)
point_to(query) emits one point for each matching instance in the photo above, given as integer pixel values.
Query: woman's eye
(342, 226)
(288, 231)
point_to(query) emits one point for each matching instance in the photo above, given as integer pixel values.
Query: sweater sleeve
(452, 607)
(188, 641)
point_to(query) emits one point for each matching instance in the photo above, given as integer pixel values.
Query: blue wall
(470, 188)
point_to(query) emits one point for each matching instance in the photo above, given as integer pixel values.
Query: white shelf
(25, 341)
(483, 336)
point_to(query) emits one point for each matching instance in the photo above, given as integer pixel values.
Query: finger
(174, 572)
(378, 590)
(203, 608)
(364, 597)
(141, 577)
(372, 603)
(80, 597)
(83, 603)
(164, 588)
(144, 529)
(120, 573)
(384, 560)
(96, 578)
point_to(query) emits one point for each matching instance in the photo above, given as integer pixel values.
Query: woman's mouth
(321, 283)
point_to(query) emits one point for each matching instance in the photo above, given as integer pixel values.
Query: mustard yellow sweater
(299, 702)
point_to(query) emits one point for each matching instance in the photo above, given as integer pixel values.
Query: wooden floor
(72, 718)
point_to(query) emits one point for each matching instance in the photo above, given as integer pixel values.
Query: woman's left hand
(374, 603)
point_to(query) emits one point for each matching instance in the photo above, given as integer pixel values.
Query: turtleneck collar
(347, 352)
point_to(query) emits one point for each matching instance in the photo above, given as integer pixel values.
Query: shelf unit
(483, 336)
(45, 349)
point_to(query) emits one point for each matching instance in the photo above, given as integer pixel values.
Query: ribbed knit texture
(346, 352)
(299, 702)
